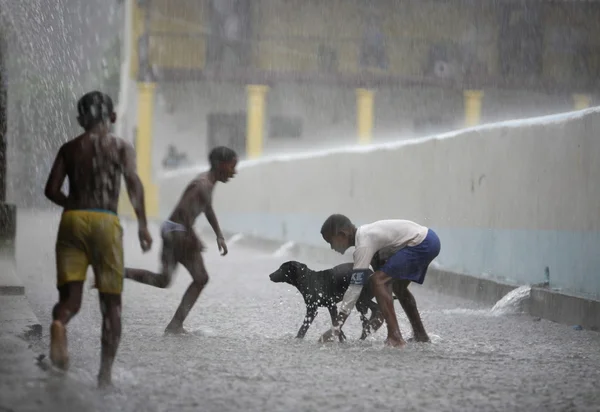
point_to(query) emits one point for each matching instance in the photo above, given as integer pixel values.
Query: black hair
(93, 108)
(334, 224)
(221, 154)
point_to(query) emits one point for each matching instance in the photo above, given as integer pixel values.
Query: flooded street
(242, 354)
(478, 120)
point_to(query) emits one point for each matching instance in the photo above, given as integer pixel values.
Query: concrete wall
(514, 201)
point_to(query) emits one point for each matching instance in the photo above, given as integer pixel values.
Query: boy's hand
(222, 246)
(145, 239)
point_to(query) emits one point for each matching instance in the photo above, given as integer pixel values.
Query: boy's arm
(56, 178)
(214, 223)
(212, 220)
(133, 183)
(360, 276)
(135, 191)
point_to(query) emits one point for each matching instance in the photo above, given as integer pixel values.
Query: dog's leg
(311, 313)
(366, 328)
(362, 309)
(333, 313)
(376, 319)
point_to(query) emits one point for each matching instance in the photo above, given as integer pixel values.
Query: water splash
(235, 238)
(284, 249)
(512, 302)
(53, 52)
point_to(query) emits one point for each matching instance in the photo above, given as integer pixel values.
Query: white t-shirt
(385, 237)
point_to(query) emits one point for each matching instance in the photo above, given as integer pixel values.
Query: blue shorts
(411, 262)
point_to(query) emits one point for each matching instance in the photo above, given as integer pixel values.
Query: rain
(469, 120)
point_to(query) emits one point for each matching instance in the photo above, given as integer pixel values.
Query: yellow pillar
(364, 115)
(581, 101)
(143, 148)
(143, 145)
(255, 119)
(473, 100)
(138, 17)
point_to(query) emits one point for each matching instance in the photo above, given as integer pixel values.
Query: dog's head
(289, 272)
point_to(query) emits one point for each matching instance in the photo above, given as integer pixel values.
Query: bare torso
(94, 166)
(196, 197)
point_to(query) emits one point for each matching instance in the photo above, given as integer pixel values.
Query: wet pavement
(242, 354)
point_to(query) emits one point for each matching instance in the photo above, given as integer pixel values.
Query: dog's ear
(286, 271)
(292, 270)
(297, 267)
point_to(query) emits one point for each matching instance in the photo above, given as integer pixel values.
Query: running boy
(90, 232)
(181, 244)
(405, 251)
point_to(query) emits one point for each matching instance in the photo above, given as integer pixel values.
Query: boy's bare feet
(395, 342)
(58, 345)
(104, 380)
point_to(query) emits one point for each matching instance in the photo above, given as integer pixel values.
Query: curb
(465, 286)
(17, 318)
(10, 283)
(561, 308)
(16, 315)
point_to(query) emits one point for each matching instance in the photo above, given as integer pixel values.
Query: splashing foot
(104, 380)
(58, 345)
(395, 343)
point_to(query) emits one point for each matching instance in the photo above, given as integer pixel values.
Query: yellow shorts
(90, 237)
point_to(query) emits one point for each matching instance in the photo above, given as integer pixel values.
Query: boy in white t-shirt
(400, 252)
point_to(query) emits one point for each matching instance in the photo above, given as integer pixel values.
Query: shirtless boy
(90, 232)
(181, 244)
(405, 251)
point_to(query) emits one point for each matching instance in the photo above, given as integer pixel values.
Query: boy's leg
(71, 267)
(69, 303)
(107, 262)
(409, 305)
(110, 306)
(410, 265)
(385, 300)
(159, 280)
(195, 265)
